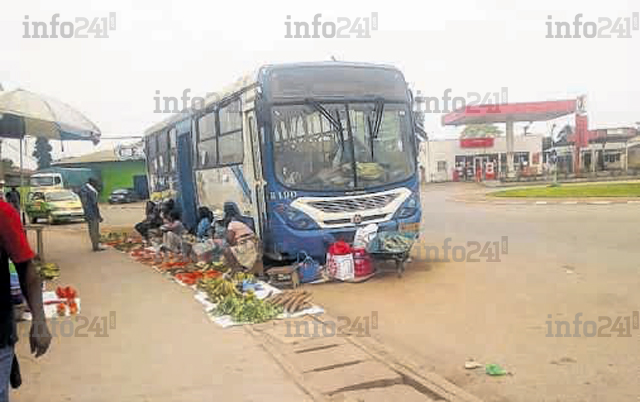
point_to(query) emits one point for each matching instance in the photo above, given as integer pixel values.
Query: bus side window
(230, 146)
(207, 145)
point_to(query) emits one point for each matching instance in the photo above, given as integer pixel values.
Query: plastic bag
(340, 248)
(307, 267)
(364, 235)
(340, 261)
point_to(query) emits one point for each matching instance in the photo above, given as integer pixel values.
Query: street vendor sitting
(172, 232)
(242, 251)
(205, 220)
(165, 208)
(151, 222)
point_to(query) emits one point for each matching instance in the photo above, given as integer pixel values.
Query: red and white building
(442, 160)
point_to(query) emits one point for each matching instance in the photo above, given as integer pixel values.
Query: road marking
(569, 202)
(599, 202)
(633, 202)
(541, 203)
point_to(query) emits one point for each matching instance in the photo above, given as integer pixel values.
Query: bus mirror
(421, 135)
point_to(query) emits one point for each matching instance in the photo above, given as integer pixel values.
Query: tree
(480, 131)
(43, 153)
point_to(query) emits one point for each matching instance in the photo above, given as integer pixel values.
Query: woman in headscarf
(242, 251)
(172, 232)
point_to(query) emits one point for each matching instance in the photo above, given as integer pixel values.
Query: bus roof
(253, 78)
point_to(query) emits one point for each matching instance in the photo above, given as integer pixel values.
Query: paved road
(562, 260)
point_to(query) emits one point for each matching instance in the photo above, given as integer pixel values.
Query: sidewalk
(163, 347)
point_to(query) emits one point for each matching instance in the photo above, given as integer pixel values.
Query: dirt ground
(561, 260)
(163, 347)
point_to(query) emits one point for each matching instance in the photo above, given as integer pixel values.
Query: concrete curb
(546, 202)
(431, 385)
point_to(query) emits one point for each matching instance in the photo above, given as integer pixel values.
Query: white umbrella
(24, 113)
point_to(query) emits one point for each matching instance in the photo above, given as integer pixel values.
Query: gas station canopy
(510, 112)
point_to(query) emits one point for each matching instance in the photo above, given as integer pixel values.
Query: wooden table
(39, 242)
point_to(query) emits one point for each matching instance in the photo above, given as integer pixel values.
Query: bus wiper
(378, 121)
(335, 122)
(374, 127)
(354, 164)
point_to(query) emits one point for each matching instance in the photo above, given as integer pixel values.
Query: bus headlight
(297, 219)
(408, 208)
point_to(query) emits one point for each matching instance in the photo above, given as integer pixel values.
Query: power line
(129, 137)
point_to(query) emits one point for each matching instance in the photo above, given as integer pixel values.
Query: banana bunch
(247, 309)
(229, 305)
(218, 289)
(48, 271)
(241, 276)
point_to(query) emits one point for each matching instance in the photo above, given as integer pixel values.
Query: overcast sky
(168, 46)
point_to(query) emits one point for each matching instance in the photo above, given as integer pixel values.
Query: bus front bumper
(289, 242)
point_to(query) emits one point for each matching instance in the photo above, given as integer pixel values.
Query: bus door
(257, 193)
(186, 185)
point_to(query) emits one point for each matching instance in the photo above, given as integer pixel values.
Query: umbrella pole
(22, 182)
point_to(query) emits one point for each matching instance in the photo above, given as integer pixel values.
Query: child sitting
(205, 220)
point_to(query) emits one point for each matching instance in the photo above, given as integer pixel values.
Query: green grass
(575, 191)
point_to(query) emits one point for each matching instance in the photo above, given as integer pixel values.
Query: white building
(438, 159)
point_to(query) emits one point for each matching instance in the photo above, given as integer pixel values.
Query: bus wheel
(33, 220)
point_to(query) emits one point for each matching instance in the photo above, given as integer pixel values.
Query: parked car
(54, 206)
(123, 195)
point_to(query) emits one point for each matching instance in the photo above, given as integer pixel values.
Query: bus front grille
(348, 221)
(356, 204)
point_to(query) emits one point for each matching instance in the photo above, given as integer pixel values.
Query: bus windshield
(342, 146)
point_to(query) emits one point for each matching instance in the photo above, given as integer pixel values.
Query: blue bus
(306, 151)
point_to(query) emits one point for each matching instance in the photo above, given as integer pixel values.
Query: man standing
(14, 246)
(89, 199)
(13, 198)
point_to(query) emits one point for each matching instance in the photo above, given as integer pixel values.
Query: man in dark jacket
(13, 198)
(14, 246)
(89, 198)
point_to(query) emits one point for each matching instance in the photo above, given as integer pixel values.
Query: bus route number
(282, 195)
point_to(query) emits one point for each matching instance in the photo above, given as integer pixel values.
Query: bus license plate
(409, 227)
